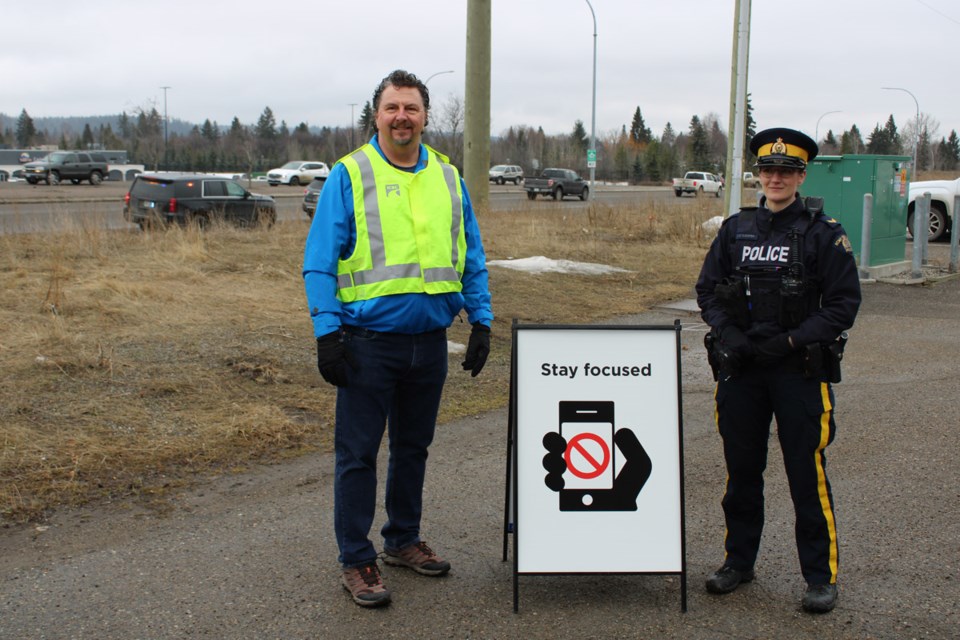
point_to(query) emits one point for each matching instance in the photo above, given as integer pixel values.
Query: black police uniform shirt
(829, 266)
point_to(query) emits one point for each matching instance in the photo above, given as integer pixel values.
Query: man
(779, 287)
(393, 255)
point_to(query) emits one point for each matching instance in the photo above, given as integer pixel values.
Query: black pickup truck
(74, 166)
(557, 183)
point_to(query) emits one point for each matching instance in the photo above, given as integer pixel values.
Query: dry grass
(130, 362)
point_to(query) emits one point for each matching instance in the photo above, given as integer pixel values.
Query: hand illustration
(626, 486)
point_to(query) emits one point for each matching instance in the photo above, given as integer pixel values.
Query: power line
(937, 11)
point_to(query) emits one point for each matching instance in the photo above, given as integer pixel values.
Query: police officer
(779, 287)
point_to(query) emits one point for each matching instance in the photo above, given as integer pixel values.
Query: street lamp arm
(432, 76)
(816, 133)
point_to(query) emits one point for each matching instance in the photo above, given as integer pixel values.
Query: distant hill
(73, 125)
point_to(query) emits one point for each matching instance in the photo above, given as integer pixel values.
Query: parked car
(502, 173)
(297, 172)
(942, 195)
(192, 198)
(310, 196)
(557, 183)
(751, 181)
(75, 166)
(698, 183)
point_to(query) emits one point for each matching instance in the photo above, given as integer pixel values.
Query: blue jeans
(397, 382)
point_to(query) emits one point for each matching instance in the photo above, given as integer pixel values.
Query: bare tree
(447, 136)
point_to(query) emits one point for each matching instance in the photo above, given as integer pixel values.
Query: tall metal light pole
(165, 126)
(916, 137)
(433, 75)
(593, 113)
(353, 124)
(816, 134)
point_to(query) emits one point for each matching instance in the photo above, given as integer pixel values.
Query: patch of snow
(541, 264)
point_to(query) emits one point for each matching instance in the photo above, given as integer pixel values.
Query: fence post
(866, 234)
(954, 234)
(921, 228)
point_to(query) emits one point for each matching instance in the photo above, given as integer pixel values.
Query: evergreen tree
(698, 149)
(637, 174)
(924, 150)
(749, 130)
(209, 131)
(578, 137)
(669, 136)
(368, 121)
(26, 131)
(639, 132)
(652, 161)
(830, 145)
(87, 137)
(884, 140)
(851, 142)
(266, 128)
(894, 144)
(953, 149)
(126, 129)
(621, 162)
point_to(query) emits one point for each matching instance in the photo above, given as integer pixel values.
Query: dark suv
(310, 196)
(188, 198)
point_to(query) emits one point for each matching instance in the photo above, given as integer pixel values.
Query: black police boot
(820, 598)
(726, 579)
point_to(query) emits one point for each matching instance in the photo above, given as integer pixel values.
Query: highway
(28, 208)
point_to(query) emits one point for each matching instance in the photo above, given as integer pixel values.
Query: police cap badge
(781, 147)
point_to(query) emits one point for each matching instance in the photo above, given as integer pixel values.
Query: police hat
(782, 147)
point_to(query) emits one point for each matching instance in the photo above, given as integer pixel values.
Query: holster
(832, 355)
(709, 341)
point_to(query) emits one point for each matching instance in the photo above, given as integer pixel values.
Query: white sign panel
(598, 460)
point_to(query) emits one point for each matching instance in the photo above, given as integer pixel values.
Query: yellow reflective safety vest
(410, 236)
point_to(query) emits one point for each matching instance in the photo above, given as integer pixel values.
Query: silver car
(502, 173)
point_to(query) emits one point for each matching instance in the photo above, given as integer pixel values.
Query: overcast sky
(308, 61)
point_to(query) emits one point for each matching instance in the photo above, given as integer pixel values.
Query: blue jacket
(333, 235)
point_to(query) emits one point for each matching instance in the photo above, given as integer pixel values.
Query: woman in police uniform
(779, 287)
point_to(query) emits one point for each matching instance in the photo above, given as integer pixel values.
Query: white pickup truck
(942, 193)
(698, 183)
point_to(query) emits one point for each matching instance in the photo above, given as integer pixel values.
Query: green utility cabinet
(842, 181)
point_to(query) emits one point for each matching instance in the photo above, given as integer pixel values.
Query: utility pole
(352, 125)
(476, 128)
(592, 153)
(165, 162)
(738, 105)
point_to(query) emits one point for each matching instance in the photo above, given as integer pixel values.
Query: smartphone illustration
(587, 426)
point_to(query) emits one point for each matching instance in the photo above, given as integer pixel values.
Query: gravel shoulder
(252, 555)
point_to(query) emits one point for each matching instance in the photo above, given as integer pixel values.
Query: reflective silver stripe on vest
(380, 271)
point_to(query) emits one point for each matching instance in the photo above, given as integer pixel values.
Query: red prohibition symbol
(595, 467)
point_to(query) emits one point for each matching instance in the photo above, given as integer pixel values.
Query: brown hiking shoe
(419, 557)
(366, 586)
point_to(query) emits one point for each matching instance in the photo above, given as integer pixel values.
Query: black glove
(478, 348)
(333, 359)
(734, 339)
(773, 350)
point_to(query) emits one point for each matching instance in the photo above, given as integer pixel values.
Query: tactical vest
(772, 271)
(410, 236)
